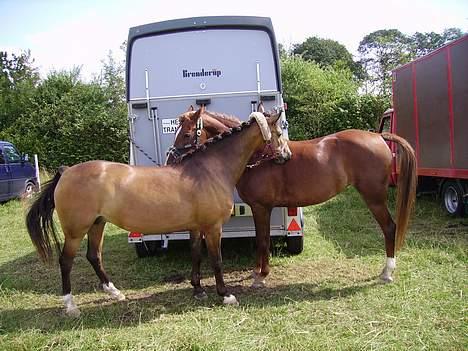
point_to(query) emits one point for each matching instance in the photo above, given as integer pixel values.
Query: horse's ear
(260, 107)
(274, 117)
(190, 109)
(194, 117)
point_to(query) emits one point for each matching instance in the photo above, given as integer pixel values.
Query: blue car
(17, 175)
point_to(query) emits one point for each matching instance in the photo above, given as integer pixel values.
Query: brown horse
(318, 170)
(195, 195)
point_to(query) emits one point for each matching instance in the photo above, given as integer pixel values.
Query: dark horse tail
(40, 222)
(406, 186)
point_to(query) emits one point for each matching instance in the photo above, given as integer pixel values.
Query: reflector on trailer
(134, 235)
(292, 211)
(293, 226)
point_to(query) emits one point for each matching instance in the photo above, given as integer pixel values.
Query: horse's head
(196, 126)
(278, 140)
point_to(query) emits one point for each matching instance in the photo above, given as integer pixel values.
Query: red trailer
(430, 110)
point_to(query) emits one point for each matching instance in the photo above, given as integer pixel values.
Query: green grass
(327, 298)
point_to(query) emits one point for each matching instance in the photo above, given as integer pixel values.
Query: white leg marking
(70, 308)
(390, 265)
(230, 300)
(113, 291)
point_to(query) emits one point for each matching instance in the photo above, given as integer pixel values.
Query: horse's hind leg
(70, 247)
(377, 203)
(262, 237)
(195, 249)
(94, 256)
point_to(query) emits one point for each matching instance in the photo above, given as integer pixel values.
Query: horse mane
(217, 138)
(229, 121)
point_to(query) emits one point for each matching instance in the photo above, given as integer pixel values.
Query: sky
(63, 34)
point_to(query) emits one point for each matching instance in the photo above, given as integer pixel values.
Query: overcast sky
(66, 33)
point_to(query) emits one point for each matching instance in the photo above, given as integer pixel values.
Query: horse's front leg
(195, 247)
(262, 217)
(213, 244)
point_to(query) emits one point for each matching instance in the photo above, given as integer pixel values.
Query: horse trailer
(430, 110)
(228, 64)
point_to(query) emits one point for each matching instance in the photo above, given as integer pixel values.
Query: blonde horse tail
(40, 222)
(406, 186)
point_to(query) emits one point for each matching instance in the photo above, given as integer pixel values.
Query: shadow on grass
(28, 274)
(140, 308)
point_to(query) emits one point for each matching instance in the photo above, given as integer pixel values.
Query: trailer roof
(200, 23)
(454, 42)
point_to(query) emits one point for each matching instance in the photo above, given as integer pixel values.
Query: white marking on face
(177, 132)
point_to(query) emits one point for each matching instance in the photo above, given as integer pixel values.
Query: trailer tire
(295, 244)
(146, 249)
(452, 198)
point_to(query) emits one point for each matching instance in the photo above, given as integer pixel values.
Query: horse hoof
(385, 279)
(200, 296)
(230, 300)
(258, 284)
(73, 312)
(119, 297)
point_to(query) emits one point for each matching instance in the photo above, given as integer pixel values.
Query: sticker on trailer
(169, 125)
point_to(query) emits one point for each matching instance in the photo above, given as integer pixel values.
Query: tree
(18, 79)
(380, 52)
(322, 101)
(68, 121)
(326, 52)
(384, 50)
(423, 43)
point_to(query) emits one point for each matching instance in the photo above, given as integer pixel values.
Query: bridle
(178, 152)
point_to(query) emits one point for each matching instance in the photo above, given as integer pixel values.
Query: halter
(178, 152)
(266, 154)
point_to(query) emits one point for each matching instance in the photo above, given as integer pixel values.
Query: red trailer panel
(430, 101)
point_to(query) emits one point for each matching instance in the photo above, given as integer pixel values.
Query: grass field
(327, 298)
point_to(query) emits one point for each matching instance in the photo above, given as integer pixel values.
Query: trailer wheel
(147, 248)
(452, 198)
(295, 244)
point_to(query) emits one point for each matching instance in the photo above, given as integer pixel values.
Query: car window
(11, 155)
(2, 159)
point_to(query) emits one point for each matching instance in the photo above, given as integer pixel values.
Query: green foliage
(18, 79)
(384, 50)
(322, 101)
(67, 121)
(326, 52)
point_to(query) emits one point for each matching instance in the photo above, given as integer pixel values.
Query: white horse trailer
(229, 64)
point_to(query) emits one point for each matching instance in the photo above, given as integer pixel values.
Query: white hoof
(230, 300)
(113, 292)
(73, 312)
(385, 279)
(71, 309)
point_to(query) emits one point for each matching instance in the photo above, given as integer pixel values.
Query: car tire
(29, 190)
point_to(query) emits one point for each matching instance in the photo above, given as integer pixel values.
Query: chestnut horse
(318, 170)
(195, 195)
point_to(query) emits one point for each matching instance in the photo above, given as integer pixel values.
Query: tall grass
(327, 298)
